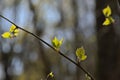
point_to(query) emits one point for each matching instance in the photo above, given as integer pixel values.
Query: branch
(79, 66)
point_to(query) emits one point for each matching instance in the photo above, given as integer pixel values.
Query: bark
(108, 47)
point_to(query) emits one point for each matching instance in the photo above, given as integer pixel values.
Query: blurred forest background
(79, 22)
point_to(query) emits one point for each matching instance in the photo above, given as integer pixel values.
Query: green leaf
(57, 43)
(80, 53)
(13, 32)
(87, 77)
(108, 21)
(51, 74)
(6, 35)
(12, 28)
(108, 18)
(107, 11)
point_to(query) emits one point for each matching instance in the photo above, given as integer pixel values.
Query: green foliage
(87, 77)
(80, 53)
(51, 75)
(57, 43)
(13, 32)
(108, 18)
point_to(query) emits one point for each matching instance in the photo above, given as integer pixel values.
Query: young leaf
(13, 32)
(108, 21)
(111, 19)
(107, 11)
(51, 74)
(12, 28)
(6, 35)
(80, 53)
(87, 77)
(57, 43)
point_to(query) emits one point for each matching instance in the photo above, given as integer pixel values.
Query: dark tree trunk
(107, 55)
(108, 47)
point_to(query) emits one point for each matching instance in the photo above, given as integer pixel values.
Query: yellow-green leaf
(16, 30)
(12, 28)
(83, 57)
(51, 74)
(87, 77)
(111, 19)
(107, 11)
(108, 21)
(6, 35)
(80, 53)
(57, 43)
(13, 32)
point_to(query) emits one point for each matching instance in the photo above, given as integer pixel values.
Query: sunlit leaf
(108, 18)
(13, 32)
(111, 19)
(6, 35)
(107, 11)
(83, 57)
(80, 53)
(12, 28)
(108, 21)
(51, 74)
(57, 43)
(16, 30)
(87, 77)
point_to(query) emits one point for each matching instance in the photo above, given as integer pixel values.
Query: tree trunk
(108, 48)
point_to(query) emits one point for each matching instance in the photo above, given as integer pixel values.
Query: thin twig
(79, 66)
